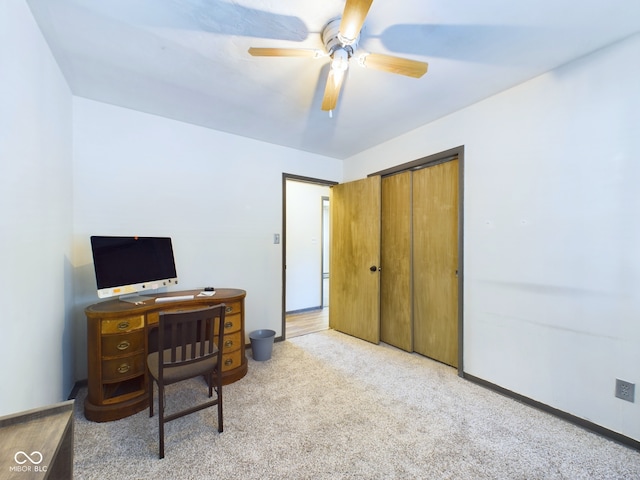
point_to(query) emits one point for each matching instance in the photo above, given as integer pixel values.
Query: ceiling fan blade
(391, 64)
(284, 52)
(332, 89)
(355, 12)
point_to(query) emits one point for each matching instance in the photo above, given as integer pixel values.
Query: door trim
(283, 242)
(325, 246)
(430, 161)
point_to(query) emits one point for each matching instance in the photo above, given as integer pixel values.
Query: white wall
(552, 267)
(35, 223)
(304, 245)
(217, 195)
(551, 233)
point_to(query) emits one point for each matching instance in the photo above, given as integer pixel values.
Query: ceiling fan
(340, 37)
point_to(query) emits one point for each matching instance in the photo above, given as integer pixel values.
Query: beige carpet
(328, 406)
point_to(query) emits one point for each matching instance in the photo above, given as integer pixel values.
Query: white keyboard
(175, 298)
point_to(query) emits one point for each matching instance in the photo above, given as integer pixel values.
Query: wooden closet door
(354, 286)
(395, 278)
(435, 262)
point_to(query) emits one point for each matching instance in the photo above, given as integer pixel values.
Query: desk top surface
(115, 305)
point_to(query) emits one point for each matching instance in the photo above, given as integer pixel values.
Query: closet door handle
(373, 268)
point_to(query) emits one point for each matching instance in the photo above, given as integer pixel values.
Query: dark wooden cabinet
(38, 444)
(118, 344)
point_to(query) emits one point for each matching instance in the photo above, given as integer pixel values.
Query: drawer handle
(228, 325)
(228, 343)
(123, 325)
(228, 309)
(123, 345)
(228, 361)
(124, 368)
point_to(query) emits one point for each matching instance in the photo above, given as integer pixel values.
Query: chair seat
(184, 371)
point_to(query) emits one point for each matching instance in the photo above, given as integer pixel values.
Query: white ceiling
(187, 59)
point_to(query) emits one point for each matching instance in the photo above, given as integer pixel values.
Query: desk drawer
(118, 345)
(118, 369)
(232, 323)
(231, 342)
(232, 308)
(122, 325)
(231, 360)
(153, 318)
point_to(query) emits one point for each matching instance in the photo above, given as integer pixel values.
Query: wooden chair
(191, 343)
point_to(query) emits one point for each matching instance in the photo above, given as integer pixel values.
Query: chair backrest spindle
(187, 336)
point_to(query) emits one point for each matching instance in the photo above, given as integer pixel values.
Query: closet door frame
(429, 161)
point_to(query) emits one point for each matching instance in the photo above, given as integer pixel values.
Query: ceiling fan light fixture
(340, 60)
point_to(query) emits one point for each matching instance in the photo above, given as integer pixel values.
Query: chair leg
(161, 421)
(219, 392)
(151, 398)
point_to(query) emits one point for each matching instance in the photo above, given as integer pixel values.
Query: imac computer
(126, 266)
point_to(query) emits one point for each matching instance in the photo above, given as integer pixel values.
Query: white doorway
(306, 273)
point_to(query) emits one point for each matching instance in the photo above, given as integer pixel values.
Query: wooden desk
(118, 345)
(38, 444)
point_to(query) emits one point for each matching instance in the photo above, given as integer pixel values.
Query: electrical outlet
(625, 390)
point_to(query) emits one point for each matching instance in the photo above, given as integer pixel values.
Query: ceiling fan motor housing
(332, 39)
